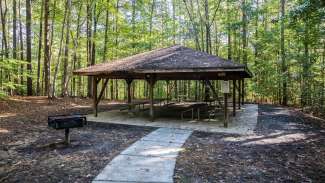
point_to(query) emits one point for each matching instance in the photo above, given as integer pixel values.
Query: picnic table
(141, 104)
(189, 107)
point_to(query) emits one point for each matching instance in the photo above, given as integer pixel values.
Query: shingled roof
(166, 62)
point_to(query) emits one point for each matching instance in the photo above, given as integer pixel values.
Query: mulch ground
(32, 152)
(287, 147)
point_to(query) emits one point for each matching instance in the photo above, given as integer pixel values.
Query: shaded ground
(286, 147)
(31, 152)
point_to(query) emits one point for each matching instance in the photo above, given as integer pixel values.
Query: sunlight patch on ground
(2, 130)
(5, 115)
(273, 138)
(279, 139)
(81, 106)
(160, 151)
(20, 100)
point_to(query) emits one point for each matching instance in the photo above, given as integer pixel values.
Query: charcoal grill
(66, 122)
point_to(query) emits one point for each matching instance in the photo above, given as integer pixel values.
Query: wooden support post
(129, 82)
(102, 91)
(95, 82)
(234, 97)
(151, 81)
(239, 93)
(225, 110)
(198, 114)
(167, 92)
(243, 92)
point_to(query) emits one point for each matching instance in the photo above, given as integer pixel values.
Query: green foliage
(152, 24)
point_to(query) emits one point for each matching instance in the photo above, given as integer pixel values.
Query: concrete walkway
(150, 159)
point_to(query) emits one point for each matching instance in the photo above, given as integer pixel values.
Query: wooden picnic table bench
(189, 107)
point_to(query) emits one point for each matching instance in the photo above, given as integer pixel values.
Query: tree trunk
(93, 48)
(283, 60)
(52, 28)
(14, 27)
(21, 48)
(133, 25)
(229, 32)
(116, 45)
(174, 21)
(207, 27)
(106, 33)
(60, 50)
(244, 38)
(305, 69)
(39, 50)
(47, 58)
(89, 45)
(65, 77)
(3, 14)
(14, 39)
(29, 47)
(150, 23)
(76, 59)
(323, 78)
(194, 25)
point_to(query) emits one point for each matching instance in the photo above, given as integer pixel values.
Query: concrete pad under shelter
(244, 123)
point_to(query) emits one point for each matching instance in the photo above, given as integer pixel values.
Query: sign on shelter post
(225, 90)
(224, 86)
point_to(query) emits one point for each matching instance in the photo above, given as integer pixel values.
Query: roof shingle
(171, 59)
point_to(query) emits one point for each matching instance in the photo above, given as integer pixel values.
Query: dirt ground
(287, 147)
(32, 152)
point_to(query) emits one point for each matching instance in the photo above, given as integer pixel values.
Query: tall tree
(14, 38)
(29, 47)
(14, 31)
(229, 31)
(3, 13)
(106, 32)
(65, 77)
(150, 22)
(56, 71)
(283, 59)
(89, 44)
(244, 36)
(47, 58)
(21, 41)
(76, 58)
(116, 42)
(133, 24)
(39, 56)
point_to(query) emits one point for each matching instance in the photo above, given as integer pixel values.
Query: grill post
(67, 136)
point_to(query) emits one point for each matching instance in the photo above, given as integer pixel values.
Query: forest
(281, 41)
